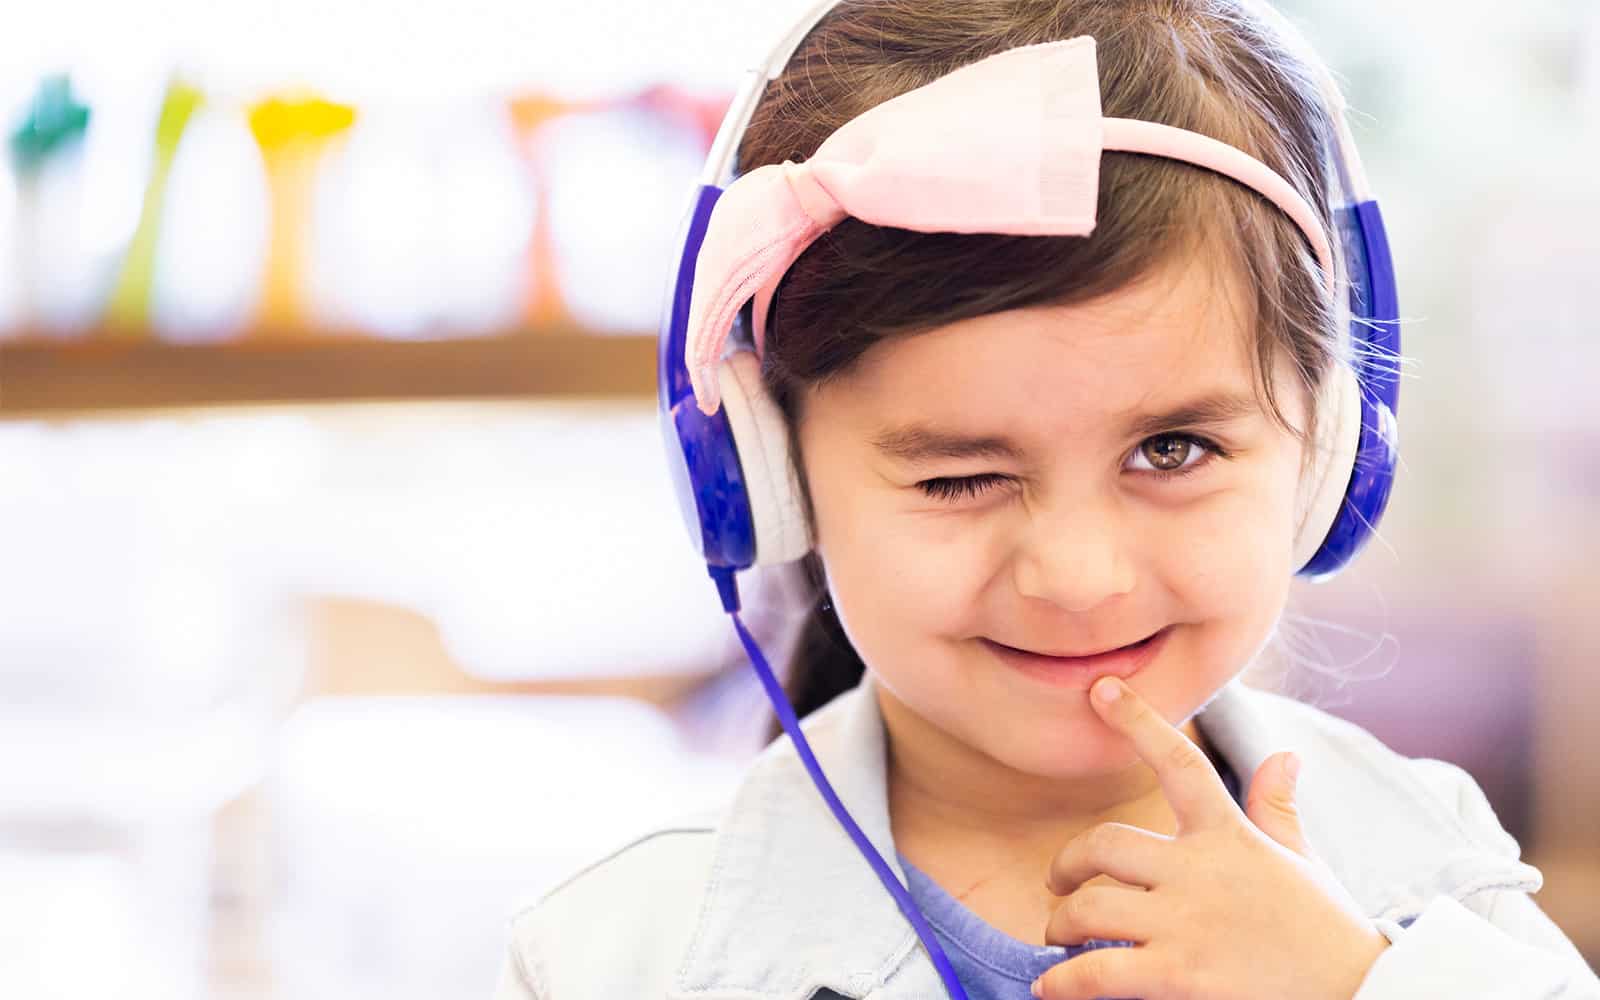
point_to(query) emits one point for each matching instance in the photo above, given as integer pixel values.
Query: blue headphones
(736, 484)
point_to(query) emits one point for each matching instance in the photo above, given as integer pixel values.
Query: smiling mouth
(1079, 672)
(1083, 656)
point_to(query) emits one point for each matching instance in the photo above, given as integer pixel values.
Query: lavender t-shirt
(990, 964)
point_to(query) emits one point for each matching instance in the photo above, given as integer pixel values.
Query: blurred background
(346, 606)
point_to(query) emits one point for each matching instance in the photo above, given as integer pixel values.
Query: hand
(1234, 906)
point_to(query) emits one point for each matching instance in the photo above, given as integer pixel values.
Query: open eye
(1169, 455)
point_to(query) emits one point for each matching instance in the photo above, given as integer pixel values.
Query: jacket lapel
(792, 909)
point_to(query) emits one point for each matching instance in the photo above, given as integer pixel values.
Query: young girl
(1062, 426)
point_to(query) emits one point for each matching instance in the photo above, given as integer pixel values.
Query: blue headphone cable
(728, 590)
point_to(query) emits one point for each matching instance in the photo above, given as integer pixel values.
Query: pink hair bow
(1009, 144)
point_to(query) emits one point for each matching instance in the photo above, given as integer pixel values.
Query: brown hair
(1217, 67)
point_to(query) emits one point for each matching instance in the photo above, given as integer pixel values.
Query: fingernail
(1108, 691)
(1292, 767)
(1038, 990)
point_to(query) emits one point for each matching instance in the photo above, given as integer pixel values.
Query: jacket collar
(791, 907)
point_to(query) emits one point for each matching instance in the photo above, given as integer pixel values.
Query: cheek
(898, 590)
(1241, 543)
(1234, 577)
(889, 580)
(1227, 557)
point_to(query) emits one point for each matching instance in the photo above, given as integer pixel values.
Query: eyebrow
(921, 443)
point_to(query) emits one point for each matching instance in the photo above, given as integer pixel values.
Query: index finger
(1190, 783)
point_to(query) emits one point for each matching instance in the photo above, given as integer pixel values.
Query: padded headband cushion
(762, 439)
(1323, 490)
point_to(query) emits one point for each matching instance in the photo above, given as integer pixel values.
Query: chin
(1059, 747)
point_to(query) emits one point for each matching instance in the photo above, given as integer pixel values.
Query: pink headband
(1009, 144)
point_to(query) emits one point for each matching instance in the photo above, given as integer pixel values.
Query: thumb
(1271, 802)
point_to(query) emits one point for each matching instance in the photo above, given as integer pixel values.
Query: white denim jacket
(769, 899)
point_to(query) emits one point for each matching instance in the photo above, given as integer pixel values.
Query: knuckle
(1070, 922)
(1093, 974)
(1060, 875)
(1259, 800)
(1188, 978)
(1075, 910)
(1185, 756)
(1101, 840)
(1283, 808)
(1058, 929)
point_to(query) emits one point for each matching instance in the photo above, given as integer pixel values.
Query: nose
(1073, 558)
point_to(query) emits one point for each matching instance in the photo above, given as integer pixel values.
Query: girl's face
(997, 482)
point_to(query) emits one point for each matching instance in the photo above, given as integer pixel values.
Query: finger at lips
(1102, 912)
(1189, 781)
(1127, 853)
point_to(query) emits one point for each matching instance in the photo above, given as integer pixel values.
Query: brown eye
(1168, 455)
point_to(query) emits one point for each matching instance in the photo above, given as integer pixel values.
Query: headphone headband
(719, 163)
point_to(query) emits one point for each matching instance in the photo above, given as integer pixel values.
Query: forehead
(1181, 331)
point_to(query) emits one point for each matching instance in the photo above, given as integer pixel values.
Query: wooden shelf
(42, 378)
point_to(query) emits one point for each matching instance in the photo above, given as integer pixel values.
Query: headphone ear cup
(762, 440)
(1338, 440)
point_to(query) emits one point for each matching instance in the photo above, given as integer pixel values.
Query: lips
(1086, 656)
(1081, 671)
